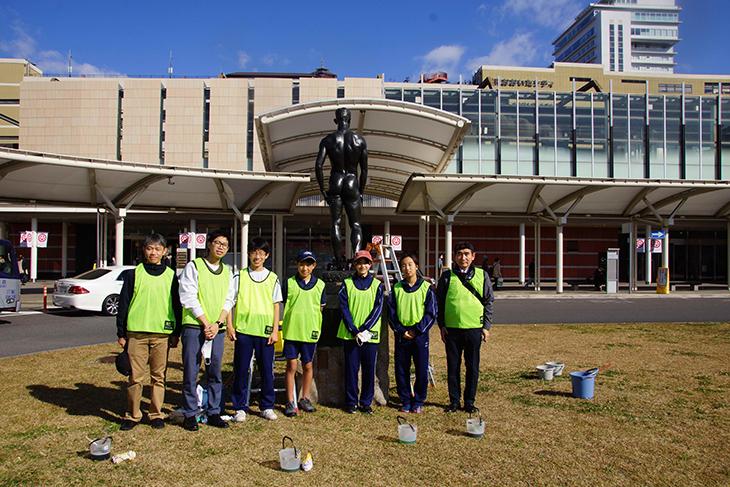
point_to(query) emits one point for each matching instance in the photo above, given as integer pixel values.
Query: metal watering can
(474, 426)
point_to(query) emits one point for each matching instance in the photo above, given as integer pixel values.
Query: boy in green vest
(205, 285)
(148, 323)
(255, 328)
(361, 303)
(304, 298)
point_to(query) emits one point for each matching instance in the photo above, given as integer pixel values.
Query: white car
(94, 290)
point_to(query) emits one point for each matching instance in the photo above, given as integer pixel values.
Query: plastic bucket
(101, 448)
(290, 459)
(475, 426)
(545, 372)
(559, 366)
(583, 383)
(406, 432)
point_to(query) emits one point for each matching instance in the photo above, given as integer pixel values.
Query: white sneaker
(239, 417)
(268, 414)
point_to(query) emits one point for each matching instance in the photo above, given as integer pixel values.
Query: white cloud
(550, 13)
(274, 59)
(243, 59)
(51, 62)
(520, 50)
(443, 58)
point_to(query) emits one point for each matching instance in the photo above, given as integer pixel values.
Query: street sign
(657, 234)
(200, 241)
(184, 238)
(640, 245)
(26, 239)
(396, 241)
(657, 246)
(42, 239)
(377, 239)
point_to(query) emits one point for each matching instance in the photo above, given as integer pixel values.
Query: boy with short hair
(148, 324)
(304, 298)
(205, 285)
(255, 328)
(361, 303)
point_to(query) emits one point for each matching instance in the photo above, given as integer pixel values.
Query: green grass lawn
(660, 416)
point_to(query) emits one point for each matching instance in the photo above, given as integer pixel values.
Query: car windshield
(93, 274)
(6, 261)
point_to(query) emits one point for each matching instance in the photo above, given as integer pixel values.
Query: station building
(556, 164)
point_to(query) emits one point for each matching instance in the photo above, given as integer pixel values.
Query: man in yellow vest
(148, 323)
(205, 285)
(255, 329)
(465, 302)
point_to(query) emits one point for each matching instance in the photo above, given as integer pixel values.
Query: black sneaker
(469, 408)
(191, 423)
(157, 424)
(127, 425)
(290, 409)
(452, 408)
(366, 410)
(216, 421)
(306, 405)
(350, 409)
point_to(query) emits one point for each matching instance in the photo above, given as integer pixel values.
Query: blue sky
(355, 39)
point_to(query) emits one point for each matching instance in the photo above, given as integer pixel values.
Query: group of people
(209, 303)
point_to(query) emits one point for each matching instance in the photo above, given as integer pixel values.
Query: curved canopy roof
(48, 179)
(557, 198)
(402, 138)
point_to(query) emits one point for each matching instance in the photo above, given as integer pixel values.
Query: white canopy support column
(422, 241)
(647, 252)
(193, 238)
(34, 250)
(437, 249)
(522, 254)
(632, 256)
(119, 238)
(449, 242)
(538, 252)
(665, 248)
(279, 248)
(64, 249)
(245, 221)
(559, 259)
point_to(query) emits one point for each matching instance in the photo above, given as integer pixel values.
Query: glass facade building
(585, 134)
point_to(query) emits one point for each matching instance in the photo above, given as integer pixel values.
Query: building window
(674, 88)
(295, 93)
(714, 88)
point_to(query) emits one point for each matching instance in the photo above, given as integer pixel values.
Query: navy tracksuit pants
(405, 350)
(354, 357)
(245, 346)
(192, 339)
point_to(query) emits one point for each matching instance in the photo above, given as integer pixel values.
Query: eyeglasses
(219, 244)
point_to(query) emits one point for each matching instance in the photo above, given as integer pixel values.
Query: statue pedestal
(328, 387)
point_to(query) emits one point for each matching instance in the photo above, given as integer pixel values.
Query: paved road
(33, 332)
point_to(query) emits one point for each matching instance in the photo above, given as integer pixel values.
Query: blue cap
(306, 255)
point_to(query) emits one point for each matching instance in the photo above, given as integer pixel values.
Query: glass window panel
(489, 155)
(393, 93)
(432, 98)
(470, 155)
(673, 134)
(451, 101)
(656, 137)
(412, 96)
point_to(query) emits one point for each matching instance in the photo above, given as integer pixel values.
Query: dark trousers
(405, 350)
(245, 346)
(192, 339)
(355, 357)
(467, 341)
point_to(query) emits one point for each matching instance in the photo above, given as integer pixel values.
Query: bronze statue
(346, 150)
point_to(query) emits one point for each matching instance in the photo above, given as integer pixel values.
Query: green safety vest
(254, 307)
(462, 309)
(302, 313)
(150, 310)
(410, 306)
(361, 304)
(212, 292)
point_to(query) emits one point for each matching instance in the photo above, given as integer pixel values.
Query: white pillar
(522, 254)
(119, 239)
(538, 251)
(632, 256)
(64, 249)
(647, 252)
(279, 249)
(437, 247)
(386, 232)
(244, 240)
(422, 242)
(665, 250)
(559, 259)
(192, 239)
(234, 231)
(449, 244)
(34, 250)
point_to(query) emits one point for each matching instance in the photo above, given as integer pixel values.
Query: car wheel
(110, 306)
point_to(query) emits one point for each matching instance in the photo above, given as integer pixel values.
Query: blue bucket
(583, 383)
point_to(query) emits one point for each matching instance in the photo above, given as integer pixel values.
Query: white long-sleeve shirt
(189, 288)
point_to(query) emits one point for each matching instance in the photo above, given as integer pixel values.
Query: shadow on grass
(272, 464)
(554, 393)
(455, 432)
(387, 439)
(85, 400)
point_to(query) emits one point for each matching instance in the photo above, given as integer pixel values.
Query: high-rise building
(623, 36)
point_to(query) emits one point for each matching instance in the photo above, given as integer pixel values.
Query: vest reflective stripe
(462, 309)
(361, 304)
(254, 307)
(410, 306)
(302, 314)
(212, 292)
(150, 310)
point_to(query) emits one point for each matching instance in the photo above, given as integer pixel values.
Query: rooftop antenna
(322, 63)
(169, 70)
(70, 57)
